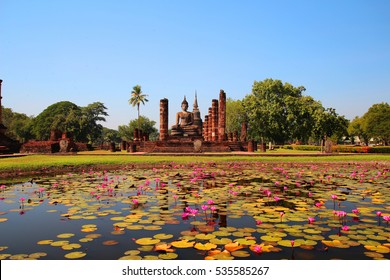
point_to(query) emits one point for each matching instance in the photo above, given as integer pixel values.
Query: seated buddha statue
(185, 122)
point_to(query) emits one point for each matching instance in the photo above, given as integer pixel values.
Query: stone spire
(196, 102)
(197, 119)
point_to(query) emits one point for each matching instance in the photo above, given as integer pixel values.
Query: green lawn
(32, 162)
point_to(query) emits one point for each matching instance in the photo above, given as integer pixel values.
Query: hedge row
(342, 149)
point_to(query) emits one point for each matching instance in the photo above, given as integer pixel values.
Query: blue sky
(95, 50)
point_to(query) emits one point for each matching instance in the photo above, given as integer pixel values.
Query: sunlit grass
(36, 162)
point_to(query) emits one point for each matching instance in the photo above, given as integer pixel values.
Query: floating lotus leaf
(2, 248)
(18, 257)
(71, 246)
(221, 233)
(135, 227)
(335, 243)
(189, 233)
(163, 247)
(152, 228)
(93, 235)
(90, 229)
(220, 256)
(203, 236)
(59, 243)
(369, 242)
(374, 255)
(131, 257)
(37, 255)
(221, 241)
(147, 241)
(289, 243)
(244, 241)
(75, 255)
(65, 235)
(379, 249)
(357, 237)
(150, 257)
(110, 242)
(241, 254)
(312, 231)
(205, 247)
(168, 256)
(377, 237)
(3, 220)
(132, 252)
(85, 239)
(45, 242)
(233, 246)
(4, 256)
(163, 236)
(270, 238)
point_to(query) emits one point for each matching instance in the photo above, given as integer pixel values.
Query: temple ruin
(192, 134)
(7, 145)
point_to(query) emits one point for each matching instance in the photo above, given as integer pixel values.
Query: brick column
(210, 125)
(163, 119)
(222, 116)
(214, 116)
(206, 128)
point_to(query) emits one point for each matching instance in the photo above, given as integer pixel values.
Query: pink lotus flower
(204, 207)
(355, 211)
(135, 201)
(333, 196)
(185, 215)
(345, 228)
(310, 194)
(213, 208)
(258, 222)
(379, 213)
(311, 220)
(210, 201)
(292, 243)
(22, 199)
(175, 197)
(257, 249)
(276, 198)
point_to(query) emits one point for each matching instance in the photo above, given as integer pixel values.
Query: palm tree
(137, 97)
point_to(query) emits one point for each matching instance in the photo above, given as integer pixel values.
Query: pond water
(233, 210)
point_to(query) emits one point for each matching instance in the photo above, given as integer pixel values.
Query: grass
(35, 162)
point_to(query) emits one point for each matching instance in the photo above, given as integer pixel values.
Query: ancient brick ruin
(7, 145)
(191, 134)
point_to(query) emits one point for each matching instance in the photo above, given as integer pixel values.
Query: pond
(234, 210)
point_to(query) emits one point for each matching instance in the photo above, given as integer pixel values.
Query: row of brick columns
(214, 126)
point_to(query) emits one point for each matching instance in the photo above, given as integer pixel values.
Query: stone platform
(196, 145)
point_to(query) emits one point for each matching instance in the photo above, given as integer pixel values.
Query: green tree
(376, 122)
(90, 129)
(355, 128)
(235, 115)
(66, 116)
(63, 115)
(137, 97)
(126, 132)
(18, 125)
(328, 124)
(268, 112)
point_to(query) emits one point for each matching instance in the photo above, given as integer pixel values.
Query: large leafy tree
(137, 97)
(18, 125)
(66, 116)
(91, 115)
(126, 132)
(355, 128)
(63, 116)
(327, 123)
(269, 115)
(376, 122)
